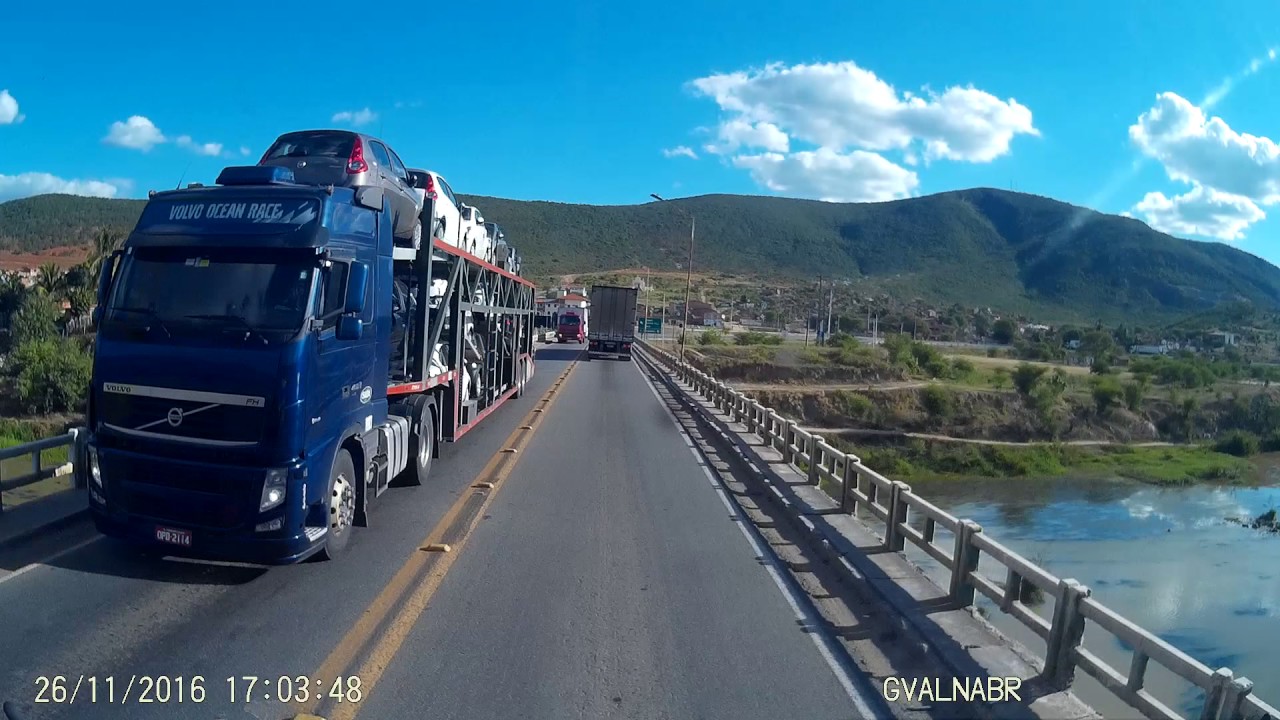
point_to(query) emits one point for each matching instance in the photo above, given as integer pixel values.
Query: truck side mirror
(104, 285)
(357, 287)
(349, 328)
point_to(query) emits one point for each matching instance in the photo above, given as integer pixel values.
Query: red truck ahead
(572, 327)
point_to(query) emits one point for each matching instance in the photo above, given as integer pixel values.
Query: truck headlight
(95, 472)
(273, 488)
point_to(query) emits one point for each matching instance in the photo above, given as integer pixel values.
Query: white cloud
(356, 118)
(1202, 211)
(211, 149)
(679, 151)
(1195, 148)
(736, 132)
(840, 105)
(848, 115)
(245, 151)
(38, 183)
(9, 114)
(1231, 173)
(136, 133)
(825, 174)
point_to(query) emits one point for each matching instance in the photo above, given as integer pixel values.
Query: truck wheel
(340, 506)
(422, 438)
(417, 234)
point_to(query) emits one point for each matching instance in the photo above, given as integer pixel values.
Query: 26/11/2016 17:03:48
(147, 689)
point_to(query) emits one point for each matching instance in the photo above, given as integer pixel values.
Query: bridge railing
(857, 486)
(39, 471)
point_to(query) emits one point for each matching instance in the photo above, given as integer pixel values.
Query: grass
(1155, 465)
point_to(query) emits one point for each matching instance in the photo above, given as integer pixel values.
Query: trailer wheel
(422, 438)
(340, 506)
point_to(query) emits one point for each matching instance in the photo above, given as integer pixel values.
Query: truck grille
(195, 420)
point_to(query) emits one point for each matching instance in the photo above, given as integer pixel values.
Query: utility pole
(831, 298)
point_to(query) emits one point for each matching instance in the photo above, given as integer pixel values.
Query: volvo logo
(175, 417)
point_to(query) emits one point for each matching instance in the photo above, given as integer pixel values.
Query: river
(1164, 558)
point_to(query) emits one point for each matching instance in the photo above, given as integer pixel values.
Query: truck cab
(239, 391)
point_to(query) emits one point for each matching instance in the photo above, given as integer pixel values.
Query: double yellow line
(404, 598)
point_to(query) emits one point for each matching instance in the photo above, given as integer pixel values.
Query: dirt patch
(63, 257)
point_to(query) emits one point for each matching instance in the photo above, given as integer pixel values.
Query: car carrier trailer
(268, 361)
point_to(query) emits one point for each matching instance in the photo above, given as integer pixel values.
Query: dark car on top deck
(344, 158)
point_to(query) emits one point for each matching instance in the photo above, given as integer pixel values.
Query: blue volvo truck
(269, 363)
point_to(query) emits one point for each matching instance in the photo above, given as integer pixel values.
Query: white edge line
(31, 566)
(820, 637)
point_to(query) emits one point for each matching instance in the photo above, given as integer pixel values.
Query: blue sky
(1163, 110)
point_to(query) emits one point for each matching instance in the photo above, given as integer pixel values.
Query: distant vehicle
(343, 158)
(267, 361)
(475, 236)
(446, 218)
(572, 326)
(613, 321)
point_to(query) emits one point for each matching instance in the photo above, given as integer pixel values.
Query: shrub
(711, 337)
(1025, 377)
(938, 401)
(1133, 394)
(1239, 443)
(36, 319)
(756, 338)
(1106, 393)
(51, 375)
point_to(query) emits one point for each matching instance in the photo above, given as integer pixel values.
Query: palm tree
(105, 244)
(49, 278)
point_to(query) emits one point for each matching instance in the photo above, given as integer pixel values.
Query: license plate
(173, 536)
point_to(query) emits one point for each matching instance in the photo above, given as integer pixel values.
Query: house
(1219, 339)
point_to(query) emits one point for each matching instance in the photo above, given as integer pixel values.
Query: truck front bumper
(214, 508)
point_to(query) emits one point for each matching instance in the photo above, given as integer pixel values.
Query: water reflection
(1165, 558)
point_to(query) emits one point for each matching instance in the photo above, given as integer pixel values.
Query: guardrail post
(816, 453)
(894, 540)
(850, 477)
(1065, 634)
(79, 466)
(788, 441)
(1215, 694)
(751, 417)
(964, 562)
(1233, 701)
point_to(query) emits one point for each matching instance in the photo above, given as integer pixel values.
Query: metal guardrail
(38, 471)
(1226, 696)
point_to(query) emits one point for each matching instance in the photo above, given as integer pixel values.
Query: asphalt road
(605, 579)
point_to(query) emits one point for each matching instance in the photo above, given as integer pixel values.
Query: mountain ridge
(1014, 251)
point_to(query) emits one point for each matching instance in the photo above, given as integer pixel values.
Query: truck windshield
(191, 293)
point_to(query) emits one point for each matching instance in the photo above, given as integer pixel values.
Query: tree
(1025, 377)
(35, 320)
(51, 375)
(1003, 331)
(1134, 392)
(1097, 343)
(49, 278)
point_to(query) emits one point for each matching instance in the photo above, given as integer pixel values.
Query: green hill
(979, 247)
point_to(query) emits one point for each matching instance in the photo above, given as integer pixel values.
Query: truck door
(339, 369)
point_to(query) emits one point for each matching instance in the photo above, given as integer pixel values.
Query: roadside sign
(650, 326)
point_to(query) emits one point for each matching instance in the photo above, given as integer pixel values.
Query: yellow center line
(488, 481)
